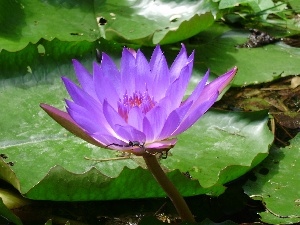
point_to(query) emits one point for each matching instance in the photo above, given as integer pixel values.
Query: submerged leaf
(6, 213)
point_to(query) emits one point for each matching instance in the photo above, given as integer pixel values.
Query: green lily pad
(295, 5)
(216, 48)
(152, 22)
(222, 147)
(276, 184)
(146, 22)
(33, 19)
(49, 163)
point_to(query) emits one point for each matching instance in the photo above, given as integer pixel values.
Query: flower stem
(176, 198)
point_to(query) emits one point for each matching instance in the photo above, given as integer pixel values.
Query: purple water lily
(138, 108)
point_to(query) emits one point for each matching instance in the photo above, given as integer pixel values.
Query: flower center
(138, 99)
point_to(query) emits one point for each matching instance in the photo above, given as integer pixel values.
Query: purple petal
(105, 87)
(190, 60)
(195, 114)
(222, 81)
(170, 125)
(216, 86)
(157, 117)
(197, 91)
(111, 71)
(128, 71)
(108, 140)
(84, 100)
(174, 120)
(80, 97)
(167, 104)
(206, 99)
(91, 122)
(160, 72)
(143, 74)
(85, 78)
(177, 89)
(129, 133)
(68, 123)
(180, 62)
(204, 93)
(112, 116)
(147, 130)
(135, 118)
(156, 56)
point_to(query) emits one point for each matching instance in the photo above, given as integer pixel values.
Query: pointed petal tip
(183, 47)
(192, 55)
(76, 64)
(233, 72)
(234, 69)
(47, 107)
(226, 78)
(64, 78)
(230, 74)
(157, 50)
(131, 51)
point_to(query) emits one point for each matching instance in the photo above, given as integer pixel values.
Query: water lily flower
(138, 108)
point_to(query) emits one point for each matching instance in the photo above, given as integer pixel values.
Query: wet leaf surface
(278, 186)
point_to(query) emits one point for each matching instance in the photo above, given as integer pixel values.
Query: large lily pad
(277, 183)
(30, 20)
(147, 22)
(151, 22)
(221, 147)
(216, 48)
(49, 163)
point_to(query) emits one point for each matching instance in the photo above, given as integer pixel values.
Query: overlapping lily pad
(152, 22)
(217, 152)
(30, 20)
(147, 22)
(217, 49)
(276, 184)
(49, 163)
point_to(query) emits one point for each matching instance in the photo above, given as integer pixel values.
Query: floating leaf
(32, 20)
(216, 49)
(151, 22)
(221, 147)
(276, 184)
(45, 155)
